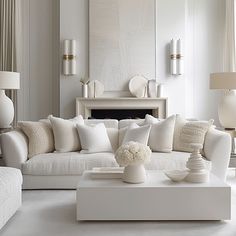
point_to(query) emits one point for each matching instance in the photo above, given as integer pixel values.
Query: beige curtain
(10, 34)
(229, 40)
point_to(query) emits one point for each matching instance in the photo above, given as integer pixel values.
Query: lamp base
(6, 110)
(227, 111)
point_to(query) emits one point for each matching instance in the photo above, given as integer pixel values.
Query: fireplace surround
(126, 107)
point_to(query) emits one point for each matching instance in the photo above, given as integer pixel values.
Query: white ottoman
(10, 193)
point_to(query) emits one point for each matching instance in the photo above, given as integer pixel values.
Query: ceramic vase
(85, 90)
(152, 88)
(196, 166)
(134, 174)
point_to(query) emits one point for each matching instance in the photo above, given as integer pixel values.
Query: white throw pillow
(187, 132)
(40, 137)
(149, 120)
(65, 134)
(137, 134)
(162, 134)
(94, 138)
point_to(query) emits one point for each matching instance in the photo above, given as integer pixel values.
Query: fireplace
(119, 114)
(121, 108)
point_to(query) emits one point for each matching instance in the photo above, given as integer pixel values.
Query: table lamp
(227, 105)
(8, 80)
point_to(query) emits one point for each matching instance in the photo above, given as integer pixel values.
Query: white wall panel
(39, 96)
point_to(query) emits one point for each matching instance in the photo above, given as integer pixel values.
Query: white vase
(85, 90)
(196, 165)
(134, 174)
(152, 88)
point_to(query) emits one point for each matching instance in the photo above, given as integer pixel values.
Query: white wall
(73, 25)
(39, 93)
(205, 37)
(170, 23)
(199, 23)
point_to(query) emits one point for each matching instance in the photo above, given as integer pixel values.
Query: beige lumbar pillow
(40, 137)
(162, 134)
(65, 133)
(187, 132)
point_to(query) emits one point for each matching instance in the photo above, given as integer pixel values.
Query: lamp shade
(224, 80)
(9, 80)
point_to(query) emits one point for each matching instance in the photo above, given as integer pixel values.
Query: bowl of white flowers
(133, 156)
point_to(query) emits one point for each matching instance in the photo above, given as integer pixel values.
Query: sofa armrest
(14, 146)
(217, 149)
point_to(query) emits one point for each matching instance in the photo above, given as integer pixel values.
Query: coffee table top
(155, 179)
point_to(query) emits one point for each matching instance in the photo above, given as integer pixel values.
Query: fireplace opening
(120, 114)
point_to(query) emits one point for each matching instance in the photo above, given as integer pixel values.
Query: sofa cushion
(127, 122)
(187, 132)
(70, 163)
(10, 180)
(65, 134)
(74, 163)
(137, 134)
(40, 137)
(94, 138)
(113, 135)
(162, 134)
(109, 123)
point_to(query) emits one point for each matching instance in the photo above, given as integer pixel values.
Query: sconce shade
(9, 80)
(69, 57)
(224, 80)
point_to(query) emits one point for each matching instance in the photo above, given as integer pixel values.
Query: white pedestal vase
(134, 174)
(196, 165)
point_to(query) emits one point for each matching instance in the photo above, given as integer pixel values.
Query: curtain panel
(10, 33)
(229, 40)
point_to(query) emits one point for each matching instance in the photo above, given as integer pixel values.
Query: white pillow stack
(94, 138)
(65, 133)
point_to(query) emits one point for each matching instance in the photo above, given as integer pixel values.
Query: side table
(3, 130)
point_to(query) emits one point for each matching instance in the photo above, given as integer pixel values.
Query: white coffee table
(156, 199)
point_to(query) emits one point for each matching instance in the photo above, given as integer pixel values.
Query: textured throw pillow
(137, 134)
(65, 134)
(94, 138)
(187, 132)
(162, 134)
(40, 137)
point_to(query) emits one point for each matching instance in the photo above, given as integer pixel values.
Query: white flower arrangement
(132, 153)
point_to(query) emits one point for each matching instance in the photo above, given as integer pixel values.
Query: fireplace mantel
(84, 106)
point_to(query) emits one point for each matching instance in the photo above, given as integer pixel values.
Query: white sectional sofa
(63, 170)
(10, 193)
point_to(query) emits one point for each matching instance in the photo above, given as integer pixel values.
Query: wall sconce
(69, 57)
(176, 57)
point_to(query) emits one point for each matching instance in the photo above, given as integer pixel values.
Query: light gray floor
(52, 212)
